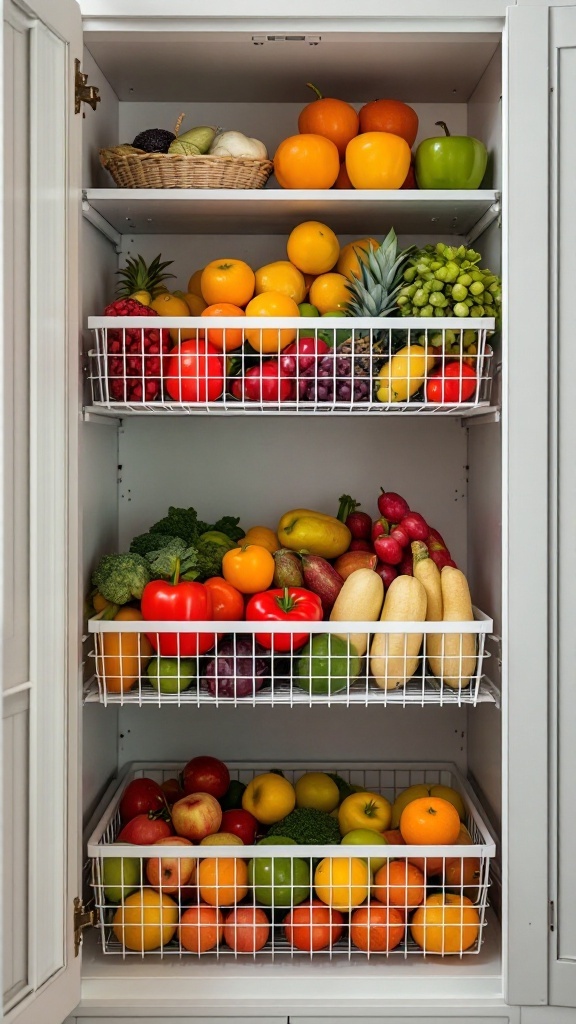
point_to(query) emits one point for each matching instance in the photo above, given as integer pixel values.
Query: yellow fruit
(144, 297)
(313, 247)
(269, 798)
(364, 810)
(221, 839)
(329, 293)
(316, 532)
(194, 282)
(318, 790)
(446, 923)
(348, 262)
(283, 277)
(147, 919)
(263, 536)
(452, 796)
(167, 304)
(404, 374)
(271, 304)
(342, 882)
(195, 303)
(404, 798)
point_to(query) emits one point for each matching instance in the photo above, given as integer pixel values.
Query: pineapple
(374, 295)
(137, 278)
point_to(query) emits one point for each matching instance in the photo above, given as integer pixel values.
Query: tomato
(225, 339)
(313, 926)
(249, 568)
(271, 304)
(141, 796)
(453, 383)
(306, 161)
(240, 823)
(284, 604)
(227, 602)
(145, 829)
(334, 119)
(378, 160)
(227, 280)
(206, 774)
(195, 373)
(390, 116)
(264, 383)
(172, 602)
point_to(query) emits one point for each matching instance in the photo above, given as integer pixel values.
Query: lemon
(318, 790)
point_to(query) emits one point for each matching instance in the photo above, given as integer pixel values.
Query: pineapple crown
(138, 276)
(374, 292)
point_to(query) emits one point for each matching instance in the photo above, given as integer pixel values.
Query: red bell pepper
(178, 600)
(288, 604)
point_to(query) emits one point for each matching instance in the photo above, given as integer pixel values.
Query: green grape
(464, 279)
(427, 311)
(437, 299)
(476, 288)
(419, 299)
(401, 300)
(436, 286)
(460, 309)
(477, 311)
(410, 274)
(459, 292)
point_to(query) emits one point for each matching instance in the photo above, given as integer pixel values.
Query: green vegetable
(229, 526)
(147, 542)
(308, 825)
(344, 788)
(121, 578)
(326, 665)
(217, 537)
(209, 559)
(181, 522)
(163, 562)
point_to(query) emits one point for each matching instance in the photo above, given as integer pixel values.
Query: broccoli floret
(171, 556)
(181, 522)
(209, 559)
(307, 825)
(120, 578)
(344, 788)
(229, 526)
(147, 542)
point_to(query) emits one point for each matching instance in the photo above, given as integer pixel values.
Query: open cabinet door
(563, 476)
(39, 591)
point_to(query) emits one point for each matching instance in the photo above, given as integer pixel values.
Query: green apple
(328, 336)
(171, 675)
(307, 309)
(450, 161)
(366, 837)
(121, 876)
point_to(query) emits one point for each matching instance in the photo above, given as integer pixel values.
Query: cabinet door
(39, 590)
(563, 732)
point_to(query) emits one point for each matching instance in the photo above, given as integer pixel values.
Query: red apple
(140, 797)
(170, 873)
(172, 791)
(145, 829)
(206, 775)
(196, 815)
(240, 823)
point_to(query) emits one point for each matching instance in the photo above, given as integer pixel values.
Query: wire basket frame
(254, 901)
(369, 365)
(330, 663)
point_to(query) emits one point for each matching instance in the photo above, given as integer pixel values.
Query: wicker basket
(165, 170)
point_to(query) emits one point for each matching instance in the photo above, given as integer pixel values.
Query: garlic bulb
(238, 145)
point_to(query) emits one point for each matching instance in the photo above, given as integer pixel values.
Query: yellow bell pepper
(404, 374)
(315, 532)
(364, 810)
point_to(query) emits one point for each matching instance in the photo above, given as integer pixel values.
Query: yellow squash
(122, 657)
(319, 534)
(404, 374)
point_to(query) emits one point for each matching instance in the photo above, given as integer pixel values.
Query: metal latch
(83, 918)
(84, 93)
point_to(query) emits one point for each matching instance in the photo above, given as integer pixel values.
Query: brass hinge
(84, 93)
(83, 918)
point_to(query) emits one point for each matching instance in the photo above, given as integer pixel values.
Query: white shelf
(277, 211)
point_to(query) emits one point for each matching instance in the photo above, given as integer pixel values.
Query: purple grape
(329, 370)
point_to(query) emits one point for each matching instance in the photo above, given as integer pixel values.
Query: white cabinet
(95, 481)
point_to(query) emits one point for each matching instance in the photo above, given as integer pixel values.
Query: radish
(360, 545)
(392, 506)
(416, 526)
(405, 568)
(359, 523)
(400, 533)
(388, 550)
(387, 573)
(379, 526)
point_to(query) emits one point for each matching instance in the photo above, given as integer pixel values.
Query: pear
(121, 876)
(195, 142)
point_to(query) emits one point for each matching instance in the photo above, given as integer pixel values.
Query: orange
(445, 924)
(343, 181)
(342, 882)
(167, 304)
(283, 277)
(246, 929)
(225, 339)
(430, 821)
(330, 292)
(195, 303)
(390, 116)
(429, 865)
(194, 282)
(222, 881)
(146, 920)
(376, 929)
(263, 536)
(306, 161)
(271, 304)
(308, 278)
(462, 871)
(227, 280)
(334, 119)
(313, 926)
(313, 247)
(378, 160)
(399, 884)
(200, 929)
(348, 262)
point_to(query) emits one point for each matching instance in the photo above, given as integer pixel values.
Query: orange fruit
(306, 161)
(313, 926)
(224, 339)
(308, 279)
(194, 282)
(375, 928)
(195, 303)
(394, 837)
(334, 119)
(462, 871)
(283, 277)
(399, 884)
(377, 160)
(271, 304)
(348, 261)
(200, 929)
(330, 292)
(430, 821)
(246, 929)
(264, 537)
(146, 920)
(445, 924)
(429, 865)
(342, 882)
(343, 181)
(167, 304)
(222, 881)
(227, 280)
(313, 247)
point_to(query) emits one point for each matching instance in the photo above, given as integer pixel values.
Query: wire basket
(225, 665)
(254, 901)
